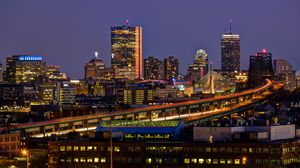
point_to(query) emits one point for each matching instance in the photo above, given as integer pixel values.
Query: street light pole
(26, 153)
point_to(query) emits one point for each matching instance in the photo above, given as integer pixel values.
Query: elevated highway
(193, 111)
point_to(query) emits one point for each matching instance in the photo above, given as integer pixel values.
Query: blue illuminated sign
(30, 58)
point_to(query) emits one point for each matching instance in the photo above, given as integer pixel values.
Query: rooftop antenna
(96, 54)
(230, 26)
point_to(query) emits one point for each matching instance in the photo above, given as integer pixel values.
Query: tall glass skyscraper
(230, 54)
(126, 51)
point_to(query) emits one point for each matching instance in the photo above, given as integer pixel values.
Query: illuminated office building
(260, 68)
(171, 68)
(153, 69)
(230, 54)
(24, 68)
(54, 74)
(126, 51)
(200, 67)
(95, 69)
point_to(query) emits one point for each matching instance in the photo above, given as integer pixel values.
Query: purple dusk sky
(67, 32)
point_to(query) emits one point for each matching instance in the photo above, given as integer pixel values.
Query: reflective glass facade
(126, 50)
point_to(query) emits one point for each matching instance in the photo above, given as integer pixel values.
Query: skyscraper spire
(230, 26)
(96, 54)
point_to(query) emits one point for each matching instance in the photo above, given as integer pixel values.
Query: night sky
(67, 32)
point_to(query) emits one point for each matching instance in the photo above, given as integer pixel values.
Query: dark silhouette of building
(260, 68)
(171, 68)
(153, 69)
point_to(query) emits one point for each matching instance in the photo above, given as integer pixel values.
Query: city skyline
(76, 34)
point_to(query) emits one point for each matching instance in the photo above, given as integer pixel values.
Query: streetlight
(26, 153)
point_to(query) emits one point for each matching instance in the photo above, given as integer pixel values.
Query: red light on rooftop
(264, 50)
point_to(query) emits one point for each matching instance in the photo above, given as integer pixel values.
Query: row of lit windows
(92, 148)
(232, 150)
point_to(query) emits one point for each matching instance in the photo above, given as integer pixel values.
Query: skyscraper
(24, 68)
(260, 68)
(126, 51)
(94, 69)
(153, 69)
(171, 68)
(200, 67)
(230, 54)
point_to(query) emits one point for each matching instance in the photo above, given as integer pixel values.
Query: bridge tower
(211, 80)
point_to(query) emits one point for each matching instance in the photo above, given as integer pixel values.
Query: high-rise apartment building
(24, 68)
(153, 69)
(260, 68)
(171, 68)
(126, 51)
(200, 67)
(230, 54)
(95, 68)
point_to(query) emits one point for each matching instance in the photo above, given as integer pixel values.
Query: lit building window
(62, 160)
(236, 161)
(62, 148)
(89, 160)
(82, 148)
(148, 160)
(229, 161)
(208, 161)
(96, 160)
(82, 159)
(69, 148)
(89, 148)
(95, 148)
(76, 159)
(201, 161)
(244, 160)
(215, 161)
(194, 160)
(103, 160)
(186, 161)
(69, 159)
(117, 149)
(250, 150)
(75, 148)
(222, 161)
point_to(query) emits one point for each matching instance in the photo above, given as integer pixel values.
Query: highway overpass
(192, 112)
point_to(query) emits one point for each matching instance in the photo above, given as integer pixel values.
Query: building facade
(173, 154)
(230, 54)
(24, 68)
(260, 68)
(171, 68)
(126, 51)
(200, 67)
(153, 69)
(94, 69)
